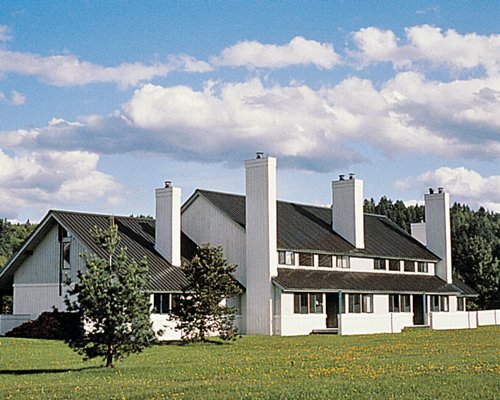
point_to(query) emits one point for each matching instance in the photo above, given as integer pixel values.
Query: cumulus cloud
(464, 185)
(16, 98)
(309, 129)
(430, 44)
(44, 179)
(299, 51)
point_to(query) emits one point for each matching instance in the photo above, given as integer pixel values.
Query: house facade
(304, 268)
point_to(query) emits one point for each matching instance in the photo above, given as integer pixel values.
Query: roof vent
(352, 175)
(440, 190)
(168, 184)
(342, 177)
(260, 154)
(431, 191)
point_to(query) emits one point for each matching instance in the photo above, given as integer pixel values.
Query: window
(306, 259)
(379, 263)
(439, 303)
(325, 260)
(308, 303)
(399, 303)
(163, 303)
(394, 265)
(360, 303)
(409, 266)
(422, 267)
(460, 303)
(65, 248)
(343, 262)
(286, 257)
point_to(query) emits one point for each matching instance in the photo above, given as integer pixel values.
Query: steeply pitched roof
(296, 279)
(309, 228)
(137, 234)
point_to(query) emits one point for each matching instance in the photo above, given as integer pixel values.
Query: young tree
(202, 309)
(112, 302)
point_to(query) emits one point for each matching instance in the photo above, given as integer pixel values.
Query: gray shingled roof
(309, 228)
(138, 235)
(296, 279)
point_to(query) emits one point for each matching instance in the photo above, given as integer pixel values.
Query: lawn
(419, 364)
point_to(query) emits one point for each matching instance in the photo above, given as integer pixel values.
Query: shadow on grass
(43, 371)
(187, 343)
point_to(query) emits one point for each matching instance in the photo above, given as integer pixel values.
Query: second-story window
(306, 259)
(379, 264)
(394, 265)
(286, 257)
(409, 266)
(422, 267)
(325, 260)
(343, 262)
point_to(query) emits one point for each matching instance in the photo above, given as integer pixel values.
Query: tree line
(12, 237)
(475, 236)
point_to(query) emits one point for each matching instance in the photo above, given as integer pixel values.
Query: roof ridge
(94, 214)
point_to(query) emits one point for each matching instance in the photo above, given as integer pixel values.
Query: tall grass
(416, 364)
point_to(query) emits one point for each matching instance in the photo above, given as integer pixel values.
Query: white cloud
(41, 180)
(188, 63)
(430, 44)
(309, 129)
(299, 51)
(68, 70)
(5, 33)
(464, 185)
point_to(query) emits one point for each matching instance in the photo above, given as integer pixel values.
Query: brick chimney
(261, 242)
(347, 209)
(168, 223)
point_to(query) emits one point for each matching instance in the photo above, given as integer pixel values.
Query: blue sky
(100, 102)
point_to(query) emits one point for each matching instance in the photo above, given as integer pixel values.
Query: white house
(304, 268)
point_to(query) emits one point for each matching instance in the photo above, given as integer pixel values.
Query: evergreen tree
(111, 299)
(202, 310)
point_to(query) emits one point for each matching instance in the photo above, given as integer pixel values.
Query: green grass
(416, 364)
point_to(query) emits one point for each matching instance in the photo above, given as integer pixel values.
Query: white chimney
(418, 232)
(168, 223)
(261, 242)
(347, 210)
(438, 231)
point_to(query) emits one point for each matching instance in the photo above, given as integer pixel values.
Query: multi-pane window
(439, 303)
(325, 260)
(379, 263)
(343, 262)
(286, 257)
(460, 303)
(65, 248)
(360, 303)
(163, 303)
(399, 303)
(422, 266)
(308, 303)
(409, 266)
(394, 265)
(306, 259)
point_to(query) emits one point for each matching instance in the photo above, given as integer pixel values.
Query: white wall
(488, 317)
(33, 299)
(364, 323)
(452, 320)
(205, 223)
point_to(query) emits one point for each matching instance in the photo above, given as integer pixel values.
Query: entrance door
(332, 310)
(418, 309)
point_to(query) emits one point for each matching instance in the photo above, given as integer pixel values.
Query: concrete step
(327, 331)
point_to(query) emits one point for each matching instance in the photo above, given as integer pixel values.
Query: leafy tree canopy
(203, 308)
(111, 299)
